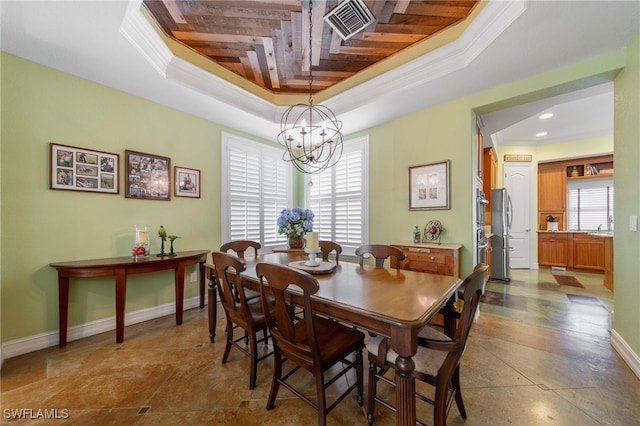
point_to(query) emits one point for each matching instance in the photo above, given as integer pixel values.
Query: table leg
(213, 308)
(121, 292)
(179, 279)
(404, 341)
(63, 309)
(202, 272)
(405, 391)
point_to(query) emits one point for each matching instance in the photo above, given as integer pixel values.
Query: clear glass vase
(140, 241)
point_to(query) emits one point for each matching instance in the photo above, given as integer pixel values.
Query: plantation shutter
(338, 198)
(256, 184)
(590, 204)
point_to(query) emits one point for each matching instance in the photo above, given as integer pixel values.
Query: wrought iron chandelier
(310, 133)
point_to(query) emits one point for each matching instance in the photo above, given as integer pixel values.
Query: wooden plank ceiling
(267, 42)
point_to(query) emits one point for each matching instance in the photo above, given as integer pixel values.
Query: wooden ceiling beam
(401, 6)
(174, 11)
(272, 64)
(216, 38)
(392, 37)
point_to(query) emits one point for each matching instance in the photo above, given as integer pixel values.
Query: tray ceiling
(266, 42)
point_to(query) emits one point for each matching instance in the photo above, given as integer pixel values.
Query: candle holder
(172, 238)
(162, 252)
(313, 260)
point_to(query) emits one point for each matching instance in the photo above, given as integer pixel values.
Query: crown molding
(496, 17)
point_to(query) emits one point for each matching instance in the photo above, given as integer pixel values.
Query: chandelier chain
(311, 134)
(310, 52)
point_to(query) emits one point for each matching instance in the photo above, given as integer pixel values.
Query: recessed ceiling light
(546, 115)
(541, 134)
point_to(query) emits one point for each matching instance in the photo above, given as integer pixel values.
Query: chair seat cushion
(427, 361)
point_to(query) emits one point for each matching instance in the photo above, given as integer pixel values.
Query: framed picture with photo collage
(81, 169)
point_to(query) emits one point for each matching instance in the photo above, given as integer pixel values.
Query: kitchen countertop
(603, 234)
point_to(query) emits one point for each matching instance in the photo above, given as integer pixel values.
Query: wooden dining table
(392, 302)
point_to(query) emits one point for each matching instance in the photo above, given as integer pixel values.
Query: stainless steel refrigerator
(500, 227)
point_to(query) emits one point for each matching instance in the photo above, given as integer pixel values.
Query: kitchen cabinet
(552, 184)
(489, 180)
(577, 250)
(552, 193)
(553, 249)
(608, 262)
(587, 252)
(591, 167)
(441, 259)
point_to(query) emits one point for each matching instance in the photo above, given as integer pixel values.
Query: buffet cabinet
(441, 259)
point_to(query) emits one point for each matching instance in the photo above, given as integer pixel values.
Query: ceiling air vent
(349, 18)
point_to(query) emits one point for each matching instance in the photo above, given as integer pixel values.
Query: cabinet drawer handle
(433, 258)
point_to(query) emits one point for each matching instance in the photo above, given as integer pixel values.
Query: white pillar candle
(142, 234)
(312, 240)
(142, 237)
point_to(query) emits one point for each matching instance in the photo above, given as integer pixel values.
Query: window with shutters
(256, 186)
(590, 204)
(339, 197)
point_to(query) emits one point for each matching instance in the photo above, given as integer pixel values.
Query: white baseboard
(630, 357)
(28, 344)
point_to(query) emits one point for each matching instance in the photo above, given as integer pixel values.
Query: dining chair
(240, 247)
(313, 343)
(242, 312)
(449, 314)
(437, 360)
(380, 252)
(326, 247)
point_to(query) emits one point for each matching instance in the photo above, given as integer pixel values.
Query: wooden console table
(120, 267)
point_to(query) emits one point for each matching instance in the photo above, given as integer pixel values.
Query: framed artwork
(429, 186)
(187, 182)
(79, 169)
(148, 176)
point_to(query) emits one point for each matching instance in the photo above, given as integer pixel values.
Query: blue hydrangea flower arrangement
(295, 222)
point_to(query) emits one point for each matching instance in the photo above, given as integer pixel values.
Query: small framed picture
(429, 186)
(80, 169)
(148, 176)
(187, 182)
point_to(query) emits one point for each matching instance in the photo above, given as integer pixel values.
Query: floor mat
(568, 280)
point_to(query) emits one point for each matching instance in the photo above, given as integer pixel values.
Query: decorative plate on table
(433, 230)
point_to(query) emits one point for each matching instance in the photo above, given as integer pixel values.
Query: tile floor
(539, 354)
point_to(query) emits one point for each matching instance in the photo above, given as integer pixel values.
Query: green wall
(432, 135)
(40, 105)
(627, 201)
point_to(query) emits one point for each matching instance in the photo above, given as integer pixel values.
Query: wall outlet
(633, 223)
(194, 277)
